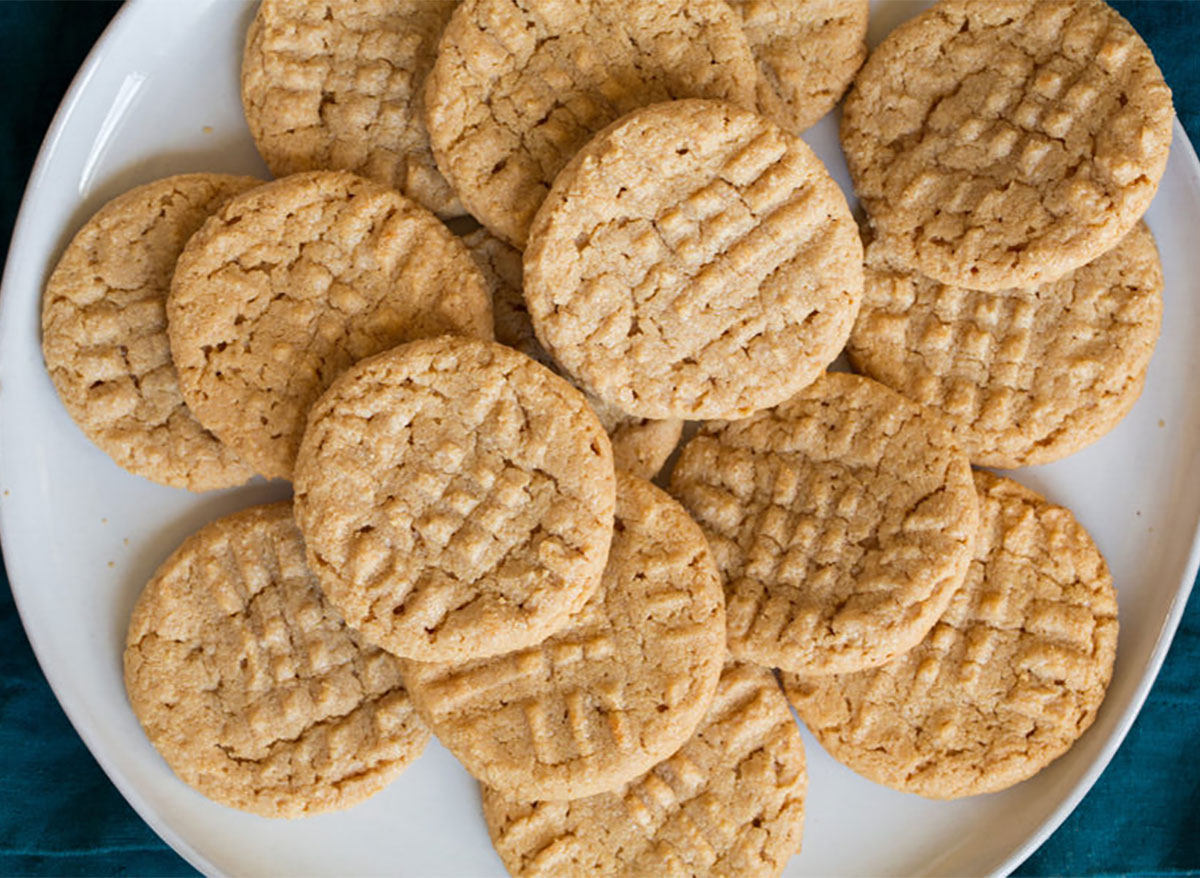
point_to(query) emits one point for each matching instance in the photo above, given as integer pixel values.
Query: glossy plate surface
(159, 95)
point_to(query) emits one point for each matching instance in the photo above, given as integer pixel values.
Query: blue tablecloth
(59, 815)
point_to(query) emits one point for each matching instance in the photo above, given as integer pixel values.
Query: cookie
(289, 284)
(1005, 683)
(339, 85)
(104, 333)
(729, 803)
(694, 261)
(842, 522)
(640, 445)
(1024, 139)
(251, 686)
(518, 88)
(621, 687)
(456, 498)
(807, 53)
(1023, 376)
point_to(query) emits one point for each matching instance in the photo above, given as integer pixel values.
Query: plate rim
(75, 712)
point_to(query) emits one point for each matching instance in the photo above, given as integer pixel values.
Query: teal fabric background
(59, 814)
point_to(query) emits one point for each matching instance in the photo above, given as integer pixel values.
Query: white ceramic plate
(159, 95)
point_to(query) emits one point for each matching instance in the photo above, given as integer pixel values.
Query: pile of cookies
(470, 418)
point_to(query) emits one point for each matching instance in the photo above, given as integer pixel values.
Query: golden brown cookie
(1008, 679)
(456, 498)
(807, 52)
(620, 688)
(518, 88)
(640, 445)
(1023, 376)
(251, 686)
(104, 333)
(842, 522)
(339, 85)
(694, 261)
(729, 803)
(290, 284)
(1004, 144)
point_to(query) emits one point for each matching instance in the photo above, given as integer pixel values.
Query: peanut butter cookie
(1005, 683)
(456, 498)
(104, 333)
(842, 522)
(694, 261)
(339, 85)
(1004, 144)
(251, 686)
(1023, 376)
(807, 52)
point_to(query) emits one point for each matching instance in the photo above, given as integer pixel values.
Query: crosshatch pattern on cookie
(251, 685)
(1003, 144)
(842, 522)
(622, 685)
(694, 261)
(729, 802)
(1007, 680)
(339, 85)
(457, 499)
(1024, 376)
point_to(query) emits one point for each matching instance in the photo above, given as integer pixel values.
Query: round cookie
(620, 688)
(251, 686)
(518, 88)
(104, 333)
(694, 261)
(1005, 683)
(1025, 138)
(640, 445)
(842, 522)
(729, 803)
(289, 284)
(807, 52)
(339, 85)
(1023, 376)
(456, 498)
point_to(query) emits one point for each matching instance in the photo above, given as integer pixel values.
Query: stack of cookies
(1010, 283)
(470, 418)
